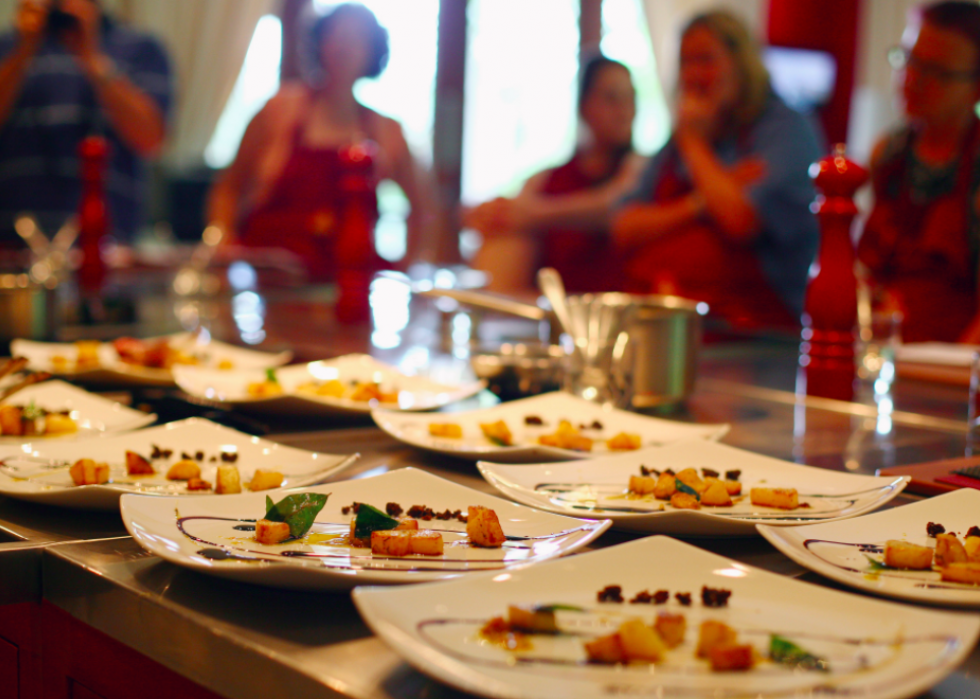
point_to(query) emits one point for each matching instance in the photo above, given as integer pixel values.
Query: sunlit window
(257, 82)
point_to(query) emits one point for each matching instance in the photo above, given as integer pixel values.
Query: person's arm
(637, 223)
(134, 115)
(29, 22)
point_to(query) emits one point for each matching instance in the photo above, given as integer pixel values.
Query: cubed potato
(498, 433)
(445, 429)
(184, 470)
(666, 486)
(642, 485)
(198, 484)
(605, 649)
(407, 524)
(391, 542)
(949, 550)
(483, 528)
(265, 480)
(967, 572)
(671, 628)
(532, 619)
(716, 495)
(228, 480)
(89, 472)
(566, 437)
(333, 388)
(972, 547)
(55, 423)
(690, 477)
(641, 642)
(426, 542)
(683, 501)
(624, 441)
(729, 658)
(780, 498)
(267, 532)
(714, 634)
(902, 554)
(733, 487)
(136, 465)
(10, 420)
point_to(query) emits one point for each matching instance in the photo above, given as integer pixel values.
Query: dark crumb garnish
(670, 472)
(709, 473)
(393, 509)
(596, 425)
(229, 456)
(684, 598)
(213, 459)
(661, 596)
(648, 471)
(155, 452)
(643, 597)
(582, 426)
(533, 420)
(733, 475)
(973, 531)
(715, 597)
(353, 507)
(804, 505)
(185, 455)
(199, 455)
(611, 593)
(426, 513)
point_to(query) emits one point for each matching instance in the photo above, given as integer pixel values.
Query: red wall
(823, 25)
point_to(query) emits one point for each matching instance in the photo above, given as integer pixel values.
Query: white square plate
(231, 387)
(550, 407)
(93, 414)
(323, 559)
(598, 488)
(875, 649)
(842, 551)
(39, 471)
(112, 369)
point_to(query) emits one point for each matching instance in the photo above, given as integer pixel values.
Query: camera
(59, 20)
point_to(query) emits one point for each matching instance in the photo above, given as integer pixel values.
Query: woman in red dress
(560, 217)
(312, 152)
(920, 243)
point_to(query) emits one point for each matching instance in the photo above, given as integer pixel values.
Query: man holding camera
(69, 70)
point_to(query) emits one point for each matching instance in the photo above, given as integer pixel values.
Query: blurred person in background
(288, 186)
(722, 212)
(921, 240)
(560, 217)
(69, 70)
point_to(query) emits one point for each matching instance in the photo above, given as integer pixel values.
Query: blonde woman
(722, 212)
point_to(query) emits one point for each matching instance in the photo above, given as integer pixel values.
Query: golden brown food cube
(733, 487)
(483, 527)
(10, 420)
(902, 554)
(606, 649)
(690, 477)
(624, 441)
(642, 485)
(666, 486)
(89, 472)
(59, 424)
(728, 658)
(967, 572)
(136, 465)
(532, 619)
(265, 480)
(184, 470)
(497, 432)
(671, 628)
(949, 550)
(407, 524)
(972, 546)
(391, 542)
(228, 480)
(714, 634)
(445, 429)
(716, 495)
(267, 532)
(781, 498)
(641, 642)
(683, 501)
(426, 542)
(198, 484)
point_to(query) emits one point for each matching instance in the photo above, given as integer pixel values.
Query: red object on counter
(93, 214)
(830, 308)
(356, 259)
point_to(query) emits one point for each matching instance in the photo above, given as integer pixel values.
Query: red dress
(917, 245)
(305, 210)
(585, 259)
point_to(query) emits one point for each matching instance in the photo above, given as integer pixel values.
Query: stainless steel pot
(27, 309)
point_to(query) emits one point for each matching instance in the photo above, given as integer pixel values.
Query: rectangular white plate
(841, 550)
(598, 488)
(323, 560)
(39, 472)
(231, 387)
(550, 407)
(112, 370)
(876, 649)
(93, 414)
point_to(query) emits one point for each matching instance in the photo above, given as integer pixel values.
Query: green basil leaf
(298, 511)
(498, 441)
(785, 652)
(557, 608)
(877, 565)
(685, 488)
(371, 519)
(270, 375)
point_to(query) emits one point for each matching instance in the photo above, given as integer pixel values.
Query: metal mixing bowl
(516, 370)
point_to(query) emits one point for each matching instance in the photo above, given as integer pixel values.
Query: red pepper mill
(830, 308)
(357, 260)
(93, 223)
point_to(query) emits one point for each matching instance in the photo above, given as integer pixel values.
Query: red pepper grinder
(355, 253)
(93, 221)
(830, 308)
